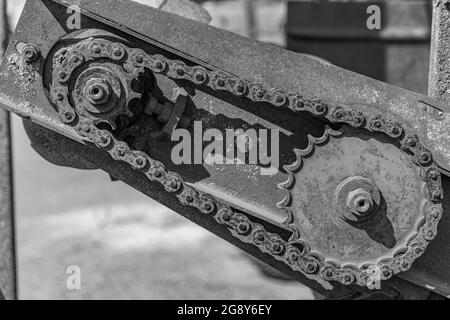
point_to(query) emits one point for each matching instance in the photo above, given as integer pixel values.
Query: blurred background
(124, 242)
(128, 246)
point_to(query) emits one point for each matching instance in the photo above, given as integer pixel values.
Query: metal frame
(7, 254)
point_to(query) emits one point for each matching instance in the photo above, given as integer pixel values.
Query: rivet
(85, 127)
(347, 279)
(173, 184)
(433, 175)
(294, 256)
(199, 76)
(179, 70)
(279, 99)
(435, 213)
(311, 267)
(30, 52)
(338, 114)
(239, 88)
(260, 237)
(220, 82)
(386, 273)
(96, 49)
(259, 94)
(277, 247)
(75, 59)
(157, 173)
(139, 161)
(207, 206)
(300, 104)
(226, 216)
(424, 157)
(68, 115)
(243, 227)
(118, 52)
(139, 59)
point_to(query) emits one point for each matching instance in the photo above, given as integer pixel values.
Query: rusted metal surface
(398, 53)
(440, 51)
(7, 255)
(95, 85)
(432, 271)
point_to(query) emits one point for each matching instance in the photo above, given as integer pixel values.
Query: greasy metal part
(349, 99)
(7, 253)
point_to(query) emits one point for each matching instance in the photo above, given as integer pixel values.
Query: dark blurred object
(7, 261)
(268, 270)
(186, 8)
(398, 53)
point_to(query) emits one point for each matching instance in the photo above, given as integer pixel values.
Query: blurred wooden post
(7, 254)
(250, 17)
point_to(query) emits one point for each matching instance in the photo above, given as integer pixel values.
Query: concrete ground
(126, 245)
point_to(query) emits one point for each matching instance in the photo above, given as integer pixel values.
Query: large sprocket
(359, 202)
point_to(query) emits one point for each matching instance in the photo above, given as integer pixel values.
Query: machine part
(49, 145)
(171, 114)
(30, 52)
(398, 53)
(7, 242)
(355, 202)
(295, 92)
(323, 264)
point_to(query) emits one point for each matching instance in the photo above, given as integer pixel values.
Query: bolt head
(97, 91)
(360, 202)
(30, 52)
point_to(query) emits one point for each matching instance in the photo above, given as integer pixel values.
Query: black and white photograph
(224, 156)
